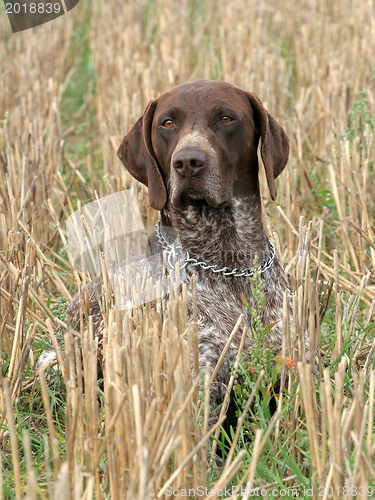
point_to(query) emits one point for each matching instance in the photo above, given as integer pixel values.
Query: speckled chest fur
(229, 237)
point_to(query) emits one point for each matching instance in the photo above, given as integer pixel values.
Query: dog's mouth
(191, 194)
(195, 197)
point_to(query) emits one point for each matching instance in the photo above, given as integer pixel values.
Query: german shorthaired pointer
(195, 147)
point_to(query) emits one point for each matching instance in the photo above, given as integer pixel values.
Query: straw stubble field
(70, 91)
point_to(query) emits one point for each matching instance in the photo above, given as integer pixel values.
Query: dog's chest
(219, 305)
(220, 302)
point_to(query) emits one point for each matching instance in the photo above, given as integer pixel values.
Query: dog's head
(198, 142)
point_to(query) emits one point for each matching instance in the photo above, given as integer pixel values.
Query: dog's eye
(168, 123)
(226, 119)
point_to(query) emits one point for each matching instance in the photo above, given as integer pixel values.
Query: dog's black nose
(189, 161)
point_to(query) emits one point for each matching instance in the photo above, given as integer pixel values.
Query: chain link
(175, 251)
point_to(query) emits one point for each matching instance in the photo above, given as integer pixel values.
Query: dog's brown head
(198, 142)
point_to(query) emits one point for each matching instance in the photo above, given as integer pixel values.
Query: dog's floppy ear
(275, 143)
(138, 157)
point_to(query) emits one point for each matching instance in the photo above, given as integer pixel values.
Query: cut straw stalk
(13, 438)
(227, 396)
(195, 450)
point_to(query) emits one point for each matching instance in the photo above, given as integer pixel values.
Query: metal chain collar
(174, 252)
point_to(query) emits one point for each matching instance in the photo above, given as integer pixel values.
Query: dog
(196, 148)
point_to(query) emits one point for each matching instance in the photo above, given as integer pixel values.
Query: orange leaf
(288, 362)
